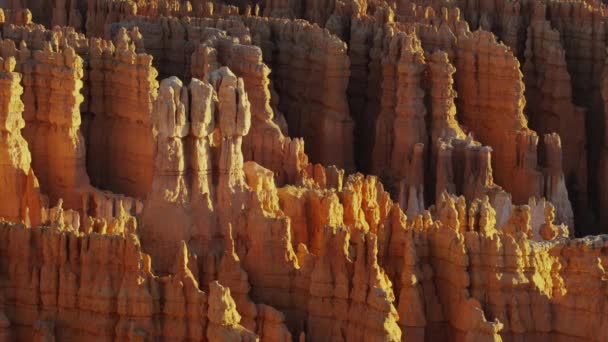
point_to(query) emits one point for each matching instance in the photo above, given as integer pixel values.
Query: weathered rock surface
(69, 279)
(20, 186)
(313, 112)
(52, 82)
(479, 144)
(550, 106)
(122, 87)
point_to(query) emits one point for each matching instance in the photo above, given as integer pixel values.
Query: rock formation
(122, 87)
(311, 112)
(54, 81)
(550, 106)
(105, 278)
(479, 60)
(20, 185)
(315, 171)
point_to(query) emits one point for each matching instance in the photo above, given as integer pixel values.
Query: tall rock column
(582, 29)
(497, 123)
(234, 119)
(265, 142)
(123, 87)
(52, 79)
(336, 124)
(409, 127)
(443, 109)
(169, 195)
(401, 134)
(316, 111)
(555, 185)
(20, 190)
(493, 111)
(202, 124)
(387, 75)
(550, 105)
(459, 164)
(444, 126)
(64, 144)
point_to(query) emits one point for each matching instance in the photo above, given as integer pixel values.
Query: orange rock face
(320, 171)
(20, 183)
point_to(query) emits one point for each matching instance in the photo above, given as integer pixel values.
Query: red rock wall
(433, 249)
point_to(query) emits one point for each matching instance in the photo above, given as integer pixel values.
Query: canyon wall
(122, 87)
(173, 43)
(52, 81)
(158, 184)
(18, 180)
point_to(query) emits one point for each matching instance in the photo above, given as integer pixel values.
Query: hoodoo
(353, 170)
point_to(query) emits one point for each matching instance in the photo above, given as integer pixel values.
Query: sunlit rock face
(289, 171)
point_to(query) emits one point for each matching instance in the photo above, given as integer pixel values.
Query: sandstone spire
(20, 183)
